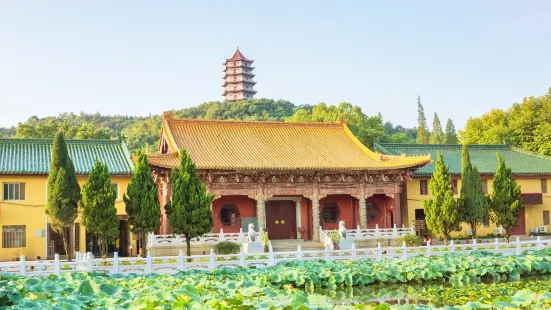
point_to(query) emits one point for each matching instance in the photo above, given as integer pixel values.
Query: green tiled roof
(32, 156)
(483, 156)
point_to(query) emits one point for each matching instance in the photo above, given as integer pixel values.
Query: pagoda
(238, 78)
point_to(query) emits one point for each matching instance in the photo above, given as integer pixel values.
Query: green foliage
(442, 211)
(142, 201)
(277, 287)
(437, 135)
(226, 247)
(189, 211)
(475, 209)
(98, 206)
(506, 197)
(63, 190)
(410, 240)
(422, 127)
(450, 135)
(526, 125)
(368, 129)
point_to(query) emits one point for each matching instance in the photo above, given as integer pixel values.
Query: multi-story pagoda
(238, 78)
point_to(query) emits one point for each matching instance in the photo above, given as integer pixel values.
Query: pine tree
(436, 135)
(422, 128)
(451, 134)
(63, 191)
(442, 211)
(475, 209)
(189, 211)
(505, 202)
(142, 201)
(98, 206)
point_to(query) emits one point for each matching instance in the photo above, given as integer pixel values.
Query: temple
(238, 78)
(286, 178)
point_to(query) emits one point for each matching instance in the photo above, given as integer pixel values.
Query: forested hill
(144, 132)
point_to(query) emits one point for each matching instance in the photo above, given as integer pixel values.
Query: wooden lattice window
(454, 187)
(14, 191)
(543, 186)
(229, 215)
(13, 236)
(373, 212)
(545, 217)
(424, 187)
(484, 184)
(330, 213)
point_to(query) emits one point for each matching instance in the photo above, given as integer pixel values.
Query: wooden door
(124, 235)
(520, 228)
(281, 221)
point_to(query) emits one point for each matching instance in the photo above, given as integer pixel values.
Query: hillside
(143, 132)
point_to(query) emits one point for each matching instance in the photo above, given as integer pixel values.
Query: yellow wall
(31, 212)
(533, 213)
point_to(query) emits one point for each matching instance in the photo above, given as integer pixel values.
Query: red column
(397, 210)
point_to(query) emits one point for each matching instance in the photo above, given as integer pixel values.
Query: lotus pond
(454, 281)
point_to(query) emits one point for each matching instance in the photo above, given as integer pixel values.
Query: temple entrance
(520, 228)
(124, 235)
(281, 219)
(55, 242)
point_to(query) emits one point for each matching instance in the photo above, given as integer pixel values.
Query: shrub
(411, 240)
(227, 247)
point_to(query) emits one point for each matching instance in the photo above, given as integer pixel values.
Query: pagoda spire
(238, 78)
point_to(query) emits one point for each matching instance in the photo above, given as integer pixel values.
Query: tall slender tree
(475, 209)
(189, 211)
(505, 202)
(142, 201)
(437, 135)
(63, 191)
(422, 127)
(98, 206)
(451, 134)
(442, 211)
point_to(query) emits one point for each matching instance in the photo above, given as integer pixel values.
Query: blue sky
(143, 57)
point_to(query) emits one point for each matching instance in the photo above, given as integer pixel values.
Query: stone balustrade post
(116, 263)
(149, 262)
(519, 247)
(299, 253)
(181, 261)
(22, 266)
(212, 260)
(405, 251)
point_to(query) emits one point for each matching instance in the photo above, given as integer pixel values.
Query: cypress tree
(442, 211)
(436, 135)
(451, 134)
(422, 128)
(189, 211)
(142, 201)
(98, 206)
(506, 198)
(63, 191)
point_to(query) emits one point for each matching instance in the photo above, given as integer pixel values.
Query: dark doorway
(55, 242)
(420, 224)
(124, 241)
(281, 221)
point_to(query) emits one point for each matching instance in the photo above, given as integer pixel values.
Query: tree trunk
(445, 240)
(188, 245)
(473, 228)
(66, 245)
(142, 244)
(103, 246)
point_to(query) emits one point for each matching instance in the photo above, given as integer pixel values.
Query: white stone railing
(369, 233)
(207, 239)
(173, 264)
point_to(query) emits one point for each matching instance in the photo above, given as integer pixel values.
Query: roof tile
(33, 156)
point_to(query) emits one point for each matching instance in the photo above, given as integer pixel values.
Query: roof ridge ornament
(167, 114)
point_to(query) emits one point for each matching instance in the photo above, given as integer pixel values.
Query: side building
(529, 170)
(287, 178)
(24, 168)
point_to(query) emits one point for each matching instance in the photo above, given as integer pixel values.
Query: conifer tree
(63, 191)
(142, 201)
(98, 206)
(451, 134)
(442, 211)
(505, 202)
(436, 135)
(475, 210)
(422, 128)
(189, 211)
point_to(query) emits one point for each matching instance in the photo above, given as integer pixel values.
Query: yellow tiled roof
(240, 145)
